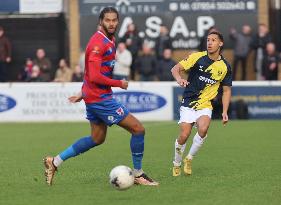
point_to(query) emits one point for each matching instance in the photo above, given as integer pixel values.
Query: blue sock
(137, 148)
(80, 146)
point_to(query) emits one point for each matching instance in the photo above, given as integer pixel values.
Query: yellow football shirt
(205, 78)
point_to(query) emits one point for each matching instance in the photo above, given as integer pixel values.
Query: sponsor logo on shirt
(96, 50)
(207, 80)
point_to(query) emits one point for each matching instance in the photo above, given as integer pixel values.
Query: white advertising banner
(40, 6)
(39, 102)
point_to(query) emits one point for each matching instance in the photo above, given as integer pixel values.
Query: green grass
(238, 164)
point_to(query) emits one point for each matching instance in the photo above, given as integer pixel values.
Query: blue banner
(139, 102)
(264, 102)
(259, 102)
(9, 6)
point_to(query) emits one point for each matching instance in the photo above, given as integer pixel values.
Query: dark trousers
(236, 61)
(3, 71)
(133, 69)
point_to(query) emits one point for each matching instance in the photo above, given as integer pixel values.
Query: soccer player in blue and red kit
(103, 110)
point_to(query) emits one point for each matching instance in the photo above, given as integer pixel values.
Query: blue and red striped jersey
(99, 64)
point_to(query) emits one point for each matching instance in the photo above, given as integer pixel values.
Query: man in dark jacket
(5, 55)
(146, 64)
(164, 66)
(44, 63)
(162, 42)
(270, 63)
(259, 44)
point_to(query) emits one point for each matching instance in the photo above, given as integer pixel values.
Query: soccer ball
(121, 177)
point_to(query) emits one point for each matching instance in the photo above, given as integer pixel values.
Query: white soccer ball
(121, 177)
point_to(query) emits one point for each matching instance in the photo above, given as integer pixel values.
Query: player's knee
(98, 140)
(202, 132)
(183, 137)
(138, 129)
(203, 129)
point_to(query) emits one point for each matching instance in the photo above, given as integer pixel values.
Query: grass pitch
(238, 164)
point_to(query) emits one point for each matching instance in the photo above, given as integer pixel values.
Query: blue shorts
(108, 111)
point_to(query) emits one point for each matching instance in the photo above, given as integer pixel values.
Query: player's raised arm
(176, 70)
(226, 96)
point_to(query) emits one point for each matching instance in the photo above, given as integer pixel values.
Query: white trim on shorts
(189, 115)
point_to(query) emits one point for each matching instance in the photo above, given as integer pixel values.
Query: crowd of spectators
(40, 69)
(266, 58)
(137, 60)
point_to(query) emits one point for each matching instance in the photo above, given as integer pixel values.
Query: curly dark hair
(108, 10)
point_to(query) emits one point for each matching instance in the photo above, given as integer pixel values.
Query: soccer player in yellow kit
(208, 70)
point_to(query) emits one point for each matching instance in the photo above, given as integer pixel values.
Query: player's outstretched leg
(80, 146)
(51, 163)
(131, 124)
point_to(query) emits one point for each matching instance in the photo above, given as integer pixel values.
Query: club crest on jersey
(120, 111)
(219, 73)
(96, 50)
(110, 118)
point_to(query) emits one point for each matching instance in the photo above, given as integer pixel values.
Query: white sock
(179, 150)
(57, 161)
(137, 172)
(197, 143)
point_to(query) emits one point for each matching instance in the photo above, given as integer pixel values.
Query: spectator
(63, 73)
(146, 64)
(258, 44)
(5, 55)
(165, 65)
(241, 49)
(270, 63)
(44, 63)
(35, 75)
(123, 62)
(27, 70)
(133, 43)
(77, 75)
(162, 42)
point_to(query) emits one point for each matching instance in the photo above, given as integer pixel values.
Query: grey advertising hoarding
(187, 21)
